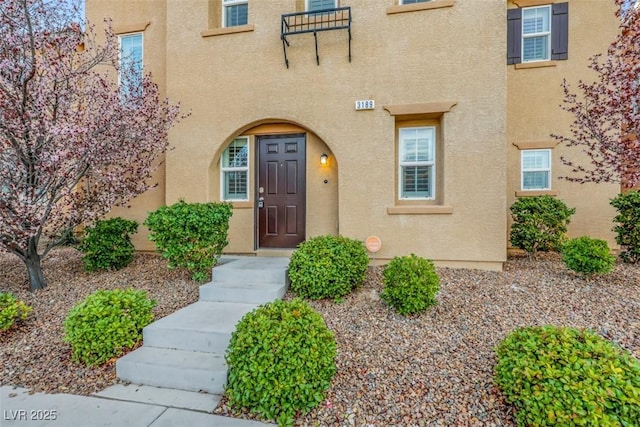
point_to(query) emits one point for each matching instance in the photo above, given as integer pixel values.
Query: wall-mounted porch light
(324, 158)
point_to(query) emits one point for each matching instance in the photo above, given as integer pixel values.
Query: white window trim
(226, 3)
(533, 35)
(423, 1)
(120, 37)
(235, 169)
(522, 170)
(432, 163)
(306, 4)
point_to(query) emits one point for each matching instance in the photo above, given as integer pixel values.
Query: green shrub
(106, 323)
(628, 228)
(410, 284)
(539, 223)
(281, 361)
(107, 245)
(191, 235)
(565, 376)
(12, 310)
(588, 256)
(327, 267)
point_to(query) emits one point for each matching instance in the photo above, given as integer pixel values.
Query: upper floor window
(416, 163)
(131, 62)
(313, 5)
(235, 170)
(536, 169)
(413, 1)
(235, 12)
(538, 33)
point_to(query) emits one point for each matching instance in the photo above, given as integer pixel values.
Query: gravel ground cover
(434, 369)
(34, 355)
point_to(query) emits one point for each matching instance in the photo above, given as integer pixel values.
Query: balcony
(338, 18)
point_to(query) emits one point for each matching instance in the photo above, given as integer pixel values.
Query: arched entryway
(284, 190)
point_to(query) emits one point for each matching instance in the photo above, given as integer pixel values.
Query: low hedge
(410, 284)
(191, 235)
(588, 256)
(12, 311)
(327, 267)
(107, 245)
(566, 376)
(281, 361)
(107, 323)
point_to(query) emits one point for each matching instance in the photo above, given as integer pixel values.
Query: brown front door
(281, 190)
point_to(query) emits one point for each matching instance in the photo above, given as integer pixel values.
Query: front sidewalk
(18, 408)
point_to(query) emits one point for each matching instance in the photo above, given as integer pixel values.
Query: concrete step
(203, 326)
(248, 293)
(176, 369)
(181, 399)
(252, 270)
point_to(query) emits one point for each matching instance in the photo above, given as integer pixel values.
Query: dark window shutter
(514, 36)
(560, 31)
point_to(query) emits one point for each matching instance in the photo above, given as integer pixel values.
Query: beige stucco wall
(535, 95)
(149, 17)
(234, 81)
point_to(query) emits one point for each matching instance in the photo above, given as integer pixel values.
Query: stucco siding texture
(237, 83)
(231, 81)
(149, 17)
(534, 114)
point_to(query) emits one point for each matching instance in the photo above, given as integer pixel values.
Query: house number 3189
(365, 104)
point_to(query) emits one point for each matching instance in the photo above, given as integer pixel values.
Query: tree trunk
(32, 260)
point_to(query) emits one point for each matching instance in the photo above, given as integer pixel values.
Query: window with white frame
(536, 169)
(313, 5)
(235, 12)
(234, 167)
(536, 33)
(413, 1)
(131, 62)
(416, 165)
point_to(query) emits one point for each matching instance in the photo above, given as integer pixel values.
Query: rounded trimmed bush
(410, 284)
(191, 235)
(588, 256)
(539, 223)
(280, 360)
(327, 267)
(107, 323)
(12, 310)
(566, 376)
(107, 245)
(627, 225)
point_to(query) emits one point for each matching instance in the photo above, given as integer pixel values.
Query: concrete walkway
(181, 362)
(20, 409)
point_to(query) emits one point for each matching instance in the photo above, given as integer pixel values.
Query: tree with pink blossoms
(75, 140)
(607, 112)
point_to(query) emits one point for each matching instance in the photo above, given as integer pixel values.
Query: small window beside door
(234, 167)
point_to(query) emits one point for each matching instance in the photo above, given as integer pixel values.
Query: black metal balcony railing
(338, 18)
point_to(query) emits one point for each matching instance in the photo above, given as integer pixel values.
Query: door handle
(260, 202)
